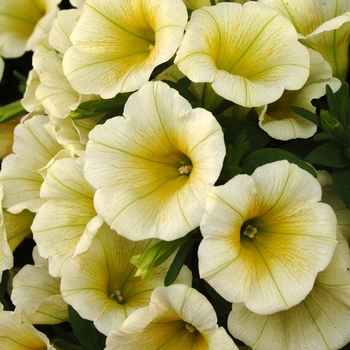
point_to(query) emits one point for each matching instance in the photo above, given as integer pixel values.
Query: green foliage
(335, 126)
(11, 111)
(269, 155)
(86, 332)
(111, 107)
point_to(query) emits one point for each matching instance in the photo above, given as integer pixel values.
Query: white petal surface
(67, 222)
(237, 60)
(34, 147)
(134, 162)
(100, 283)
(321, 321)
(294, 239)
(127, 40)
(178, 317)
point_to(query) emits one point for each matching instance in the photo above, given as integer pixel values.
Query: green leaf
(256, 136)
(343, 99)
(11, 111)
(60, 344)
(305, 113)
(342, 184)
(331, 100)
(86, 332)
(183, 91)
(178, 262)
(324, 136)
(269, 155)
(94, 108)
(329, 154)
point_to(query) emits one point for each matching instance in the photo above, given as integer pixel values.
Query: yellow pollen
(117, 296)
(185, 169)
(190, 328)
(151, 47)
(250, 231)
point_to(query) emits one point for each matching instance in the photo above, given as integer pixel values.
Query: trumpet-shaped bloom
(154, 167)
(250, 53)
(280, 122)
(324, 27)
(54, 91)
(17, 335)
(100, 283)
(38, 294)
(321, 321)
(34, 148)
(177, 318)
(6, 258)
(23, 23)
(266, 237)
(65, 225)
(117, 44)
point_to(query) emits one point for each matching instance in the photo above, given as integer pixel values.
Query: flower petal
(138, 164)
(230, 46)
(135, 36)
(292, 237)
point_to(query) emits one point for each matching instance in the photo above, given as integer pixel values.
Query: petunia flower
(6, 258)
(34, 148)
(230, 45)
(266, 236)
(23, 23)
(101, 285)
(156, 164)
(38, 294)
(66, 223)
(320, 321)
(117, 44)
(17, 334)
(178, 317)
(277, 118)
(324, 27)
(54, 91)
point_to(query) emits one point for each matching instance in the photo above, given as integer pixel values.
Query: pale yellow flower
(38, 294)
(156, 164)
(177, 318)
(100, 283)
(323, 26)
(6, 258)
(266, 237)
(277, 118)
(320, 321)
(34, 148)
(23, 23)
(250, 53)
(18, 335)
(66, 223)
(117, 44)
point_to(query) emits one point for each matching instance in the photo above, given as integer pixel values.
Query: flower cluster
(178, 171)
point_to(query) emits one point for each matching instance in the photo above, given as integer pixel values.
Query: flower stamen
(190, 328)
(250, 231)
(185, 169)
(116, 296)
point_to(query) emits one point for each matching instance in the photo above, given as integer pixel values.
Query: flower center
(249, 231)
(117, 296)
(190, 328)
(186, 167)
